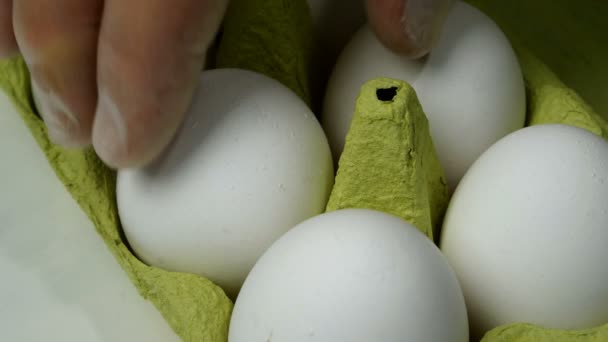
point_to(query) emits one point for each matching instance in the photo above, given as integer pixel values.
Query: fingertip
(64, 128)
(58, 42)
(408, 27)
(124, 138)
(145, 88)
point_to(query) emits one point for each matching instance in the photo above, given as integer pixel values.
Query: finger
(8, 45)
(58, 40)
(151, 53)
(409, 27)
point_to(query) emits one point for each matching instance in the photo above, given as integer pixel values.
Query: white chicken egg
(470, 86)
(352, 275)
(527, 229)
(249, 162)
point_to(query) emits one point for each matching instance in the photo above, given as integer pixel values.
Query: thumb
(409, 27)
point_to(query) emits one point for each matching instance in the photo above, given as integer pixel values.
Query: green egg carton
(274, 37)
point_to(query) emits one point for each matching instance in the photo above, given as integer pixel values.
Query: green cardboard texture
(273, 37)
(389, 161)
(523, 332)
(270, 37)
(568, 36)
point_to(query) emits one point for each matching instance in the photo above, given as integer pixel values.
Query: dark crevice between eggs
(386, 94)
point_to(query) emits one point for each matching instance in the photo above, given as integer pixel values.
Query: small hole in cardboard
(386, 94)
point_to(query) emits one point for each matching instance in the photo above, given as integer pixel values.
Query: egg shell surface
(352, 275)
(250, 162)
(470, 86)
(527, 228)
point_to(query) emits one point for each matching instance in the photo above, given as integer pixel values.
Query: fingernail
(422, 22)
(111, 140)
(59, 120)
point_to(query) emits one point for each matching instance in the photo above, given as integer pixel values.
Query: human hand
(117, 74)
(409, 27)
(120, 74)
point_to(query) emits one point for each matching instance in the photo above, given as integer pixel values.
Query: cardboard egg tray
(550, 37)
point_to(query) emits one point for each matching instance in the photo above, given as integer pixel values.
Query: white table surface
(58, 282)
